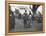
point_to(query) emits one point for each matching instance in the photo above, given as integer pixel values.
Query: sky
(17, 6)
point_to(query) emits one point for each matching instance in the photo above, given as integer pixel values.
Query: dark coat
(12, 21)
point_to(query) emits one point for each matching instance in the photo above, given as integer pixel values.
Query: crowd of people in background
(28, 19)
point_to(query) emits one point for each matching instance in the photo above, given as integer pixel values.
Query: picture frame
(7, 18)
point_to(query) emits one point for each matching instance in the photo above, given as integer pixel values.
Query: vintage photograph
(25, 18)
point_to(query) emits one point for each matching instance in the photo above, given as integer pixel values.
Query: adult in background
(40, 21)
(29, 19)
(25, 18)
(12, 21)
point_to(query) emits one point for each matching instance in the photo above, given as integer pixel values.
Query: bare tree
(35, 7)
